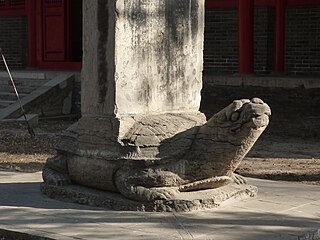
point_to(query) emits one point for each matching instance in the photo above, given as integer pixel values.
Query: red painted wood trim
(69, 29)
(234, 3)
(279, 35)
(54, 30)
(303, 2)
(13, 12)
(32, 40)
(245, 37)
(221, 4)
(60, 65)
(38, 29)
(270, 3)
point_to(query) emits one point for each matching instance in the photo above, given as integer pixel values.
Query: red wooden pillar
(31, 15)
(279, 35)
(245, 31)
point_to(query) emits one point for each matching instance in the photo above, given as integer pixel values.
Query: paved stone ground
(282, 211)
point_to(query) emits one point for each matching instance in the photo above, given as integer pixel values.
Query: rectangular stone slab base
(188, 201)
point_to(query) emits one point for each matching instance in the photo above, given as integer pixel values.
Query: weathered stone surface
(185, 156)
(187, 201)
(158, 51)
(141, 134)
(140, 57)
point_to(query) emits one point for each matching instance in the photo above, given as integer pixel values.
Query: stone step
(33, 120)
(25, 75)
(21, 88)
(23, 81)
(6, 103)
(39, 100)
(10, 96)
(6, 88)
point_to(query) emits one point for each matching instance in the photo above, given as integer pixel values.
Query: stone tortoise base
(189, 201)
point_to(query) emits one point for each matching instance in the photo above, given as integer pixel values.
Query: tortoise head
(229, 134)
(241, 118)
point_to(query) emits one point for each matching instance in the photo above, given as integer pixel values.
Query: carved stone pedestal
(141, 134)
(198, 200)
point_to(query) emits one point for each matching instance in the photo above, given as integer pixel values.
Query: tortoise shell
(151, 136)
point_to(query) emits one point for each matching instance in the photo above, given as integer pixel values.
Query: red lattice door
(54, 30)
(12, 4)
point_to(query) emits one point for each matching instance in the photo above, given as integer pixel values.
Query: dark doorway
(76, 31)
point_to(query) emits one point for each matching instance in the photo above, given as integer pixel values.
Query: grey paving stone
(24, 209)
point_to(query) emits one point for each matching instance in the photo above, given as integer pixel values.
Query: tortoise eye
(234, 116)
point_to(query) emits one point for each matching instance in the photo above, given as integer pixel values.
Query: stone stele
(141, 143)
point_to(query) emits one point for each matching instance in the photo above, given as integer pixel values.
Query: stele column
(140, 58)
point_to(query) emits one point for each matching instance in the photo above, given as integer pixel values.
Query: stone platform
(281, 211)
(188, 201)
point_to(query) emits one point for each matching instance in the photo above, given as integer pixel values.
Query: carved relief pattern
(12, 4)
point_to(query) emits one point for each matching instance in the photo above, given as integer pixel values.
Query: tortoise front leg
(147, 185)
(55, 171)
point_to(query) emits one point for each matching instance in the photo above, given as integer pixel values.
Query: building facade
(41, 33)
(241, 36)
(262, 36)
